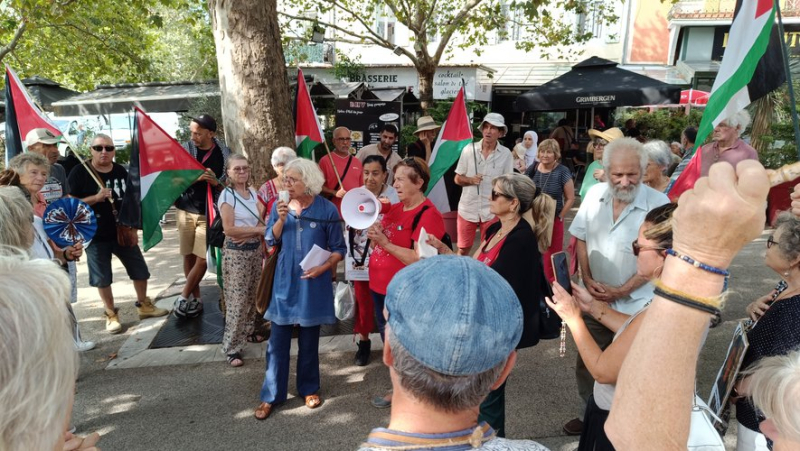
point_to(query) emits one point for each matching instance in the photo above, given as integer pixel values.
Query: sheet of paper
(425, 250)
(315, 257)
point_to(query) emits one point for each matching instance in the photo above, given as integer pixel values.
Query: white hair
(659, 153)
(739, 121)
(624, 143)
(309, 172)
(775, 388)
(16, 214)
(282, 155)
(38, 363)
(21, 162)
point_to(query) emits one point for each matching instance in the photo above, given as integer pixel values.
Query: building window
(385, 24)
(511, 29)
(590, 19)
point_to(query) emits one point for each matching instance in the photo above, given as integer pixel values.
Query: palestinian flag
(752, 66)
(455, 135)
(22, 116)
(307, 132)
(160, 171)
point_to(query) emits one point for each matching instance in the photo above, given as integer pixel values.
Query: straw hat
(426, 123)
(609, 135)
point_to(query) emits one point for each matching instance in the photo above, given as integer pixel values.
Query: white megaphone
(360, 208)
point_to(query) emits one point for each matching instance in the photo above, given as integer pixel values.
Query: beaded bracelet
(697, 264)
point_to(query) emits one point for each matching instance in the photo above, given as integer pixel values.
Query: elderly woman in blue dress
(299, 297)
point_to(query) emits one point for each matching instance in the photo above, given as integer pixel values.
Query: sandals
(263, 411)
(313, 401)
(235, 360)
(256, 338)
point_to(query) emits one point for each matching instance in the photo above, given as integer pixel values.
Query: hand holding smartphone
(561, 270)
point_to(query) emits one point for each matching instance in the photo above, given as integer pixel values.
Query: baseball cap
(206, 121)
(453, 314)
(41, 135)
(495, 119)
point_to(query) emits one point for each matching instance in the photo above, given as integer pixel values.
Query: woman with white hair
(659, 158)
(775, 390)
(268, 193)
(727, 145)
(300, 296)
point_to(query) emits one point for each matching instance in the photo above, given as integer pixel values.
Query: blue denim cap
(455, 315)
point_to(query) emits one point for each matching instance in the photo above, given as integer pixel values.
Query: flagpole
(785, 55)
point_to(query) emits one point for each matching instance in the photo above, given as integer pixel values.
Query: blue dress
(307, 302)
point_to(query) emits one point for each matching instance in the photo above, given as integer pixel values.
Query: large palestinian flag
(751, 67)
(307, 132)
(455, 135)
(22, 116)
(160, 171)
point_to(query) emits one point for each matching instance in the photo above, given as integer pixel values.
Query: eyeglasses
(496, 194)
(771, 241)
(344, 139)
(241, 169)
(600, 142)
(108, 149)
(290, 181)
(638, 248)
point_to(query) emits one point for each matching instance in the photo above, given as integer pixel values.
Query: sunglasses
(771, 241)
(496, 194)
(102, 148)
(600, 142)
(638, 248)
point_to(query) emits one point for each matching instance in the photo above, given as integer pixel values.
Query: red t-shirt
(490, 256)
(352, 179)
(397, 226)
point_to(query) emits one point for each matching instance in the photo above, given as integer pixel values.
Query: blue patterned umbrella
(68, 221)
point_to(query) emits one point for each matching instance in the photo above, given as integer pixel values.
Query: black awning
(597, 82)
(151, 97)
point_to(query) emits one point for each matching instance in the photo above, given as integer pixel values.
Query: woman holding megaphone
(395, 237)
(375, 176)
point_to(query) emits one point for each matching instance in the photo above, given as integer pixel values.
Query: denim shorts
(99, 260)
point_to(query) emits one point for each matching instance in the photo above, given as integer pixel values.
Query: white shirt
(242, 217)
(608, 243)
(474, 203)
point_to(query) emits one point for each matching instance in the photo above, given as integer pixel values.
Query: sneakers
(179, 307)
(573, 427)
(83, 346)
(112, 322)
(194, 308)
(146, 309)
(362, 355)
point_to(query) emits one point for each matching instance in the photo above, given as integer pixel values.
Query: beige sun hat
(426, 123)
(609, 135)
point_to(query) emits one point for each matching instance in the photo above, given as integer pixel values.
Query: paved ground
(193, 403)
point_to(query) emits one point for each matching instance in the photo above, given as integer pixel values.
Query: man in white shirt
(478, 165)
(607, 223)
(383, 148)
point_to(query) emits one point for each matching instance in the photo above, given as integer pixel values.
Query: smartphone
(561, 270)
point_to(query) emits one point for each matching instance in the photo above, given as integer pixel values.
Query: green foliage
(781, 148)
(665, 124)
(346, 68)
(123, 155)
(202, 105)
(83, 43)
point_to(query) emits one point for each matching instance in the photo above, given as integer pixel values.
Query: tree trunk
(256, 106)
(762, 119)
(425, 72)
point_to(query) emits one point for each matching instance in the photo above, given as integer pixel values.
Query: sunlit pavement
(199, 404)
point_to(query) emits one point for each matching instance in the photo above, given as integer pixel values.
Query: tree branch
(392, 6)
(23, 24)
(452, 26)
(378, 38)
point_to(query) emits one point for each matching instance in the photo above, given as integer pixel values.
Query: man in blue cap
(447, 346)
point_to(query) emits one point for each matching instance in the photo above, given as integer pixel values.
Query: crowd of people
(649, 272)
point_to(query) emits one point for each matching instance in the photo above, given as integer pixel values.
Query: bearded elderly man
(607, 223)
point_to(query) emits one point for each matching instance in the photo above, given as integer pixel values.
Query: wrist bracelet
(698, 264)
(64, 254)
(602, 312)
(708, 305)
